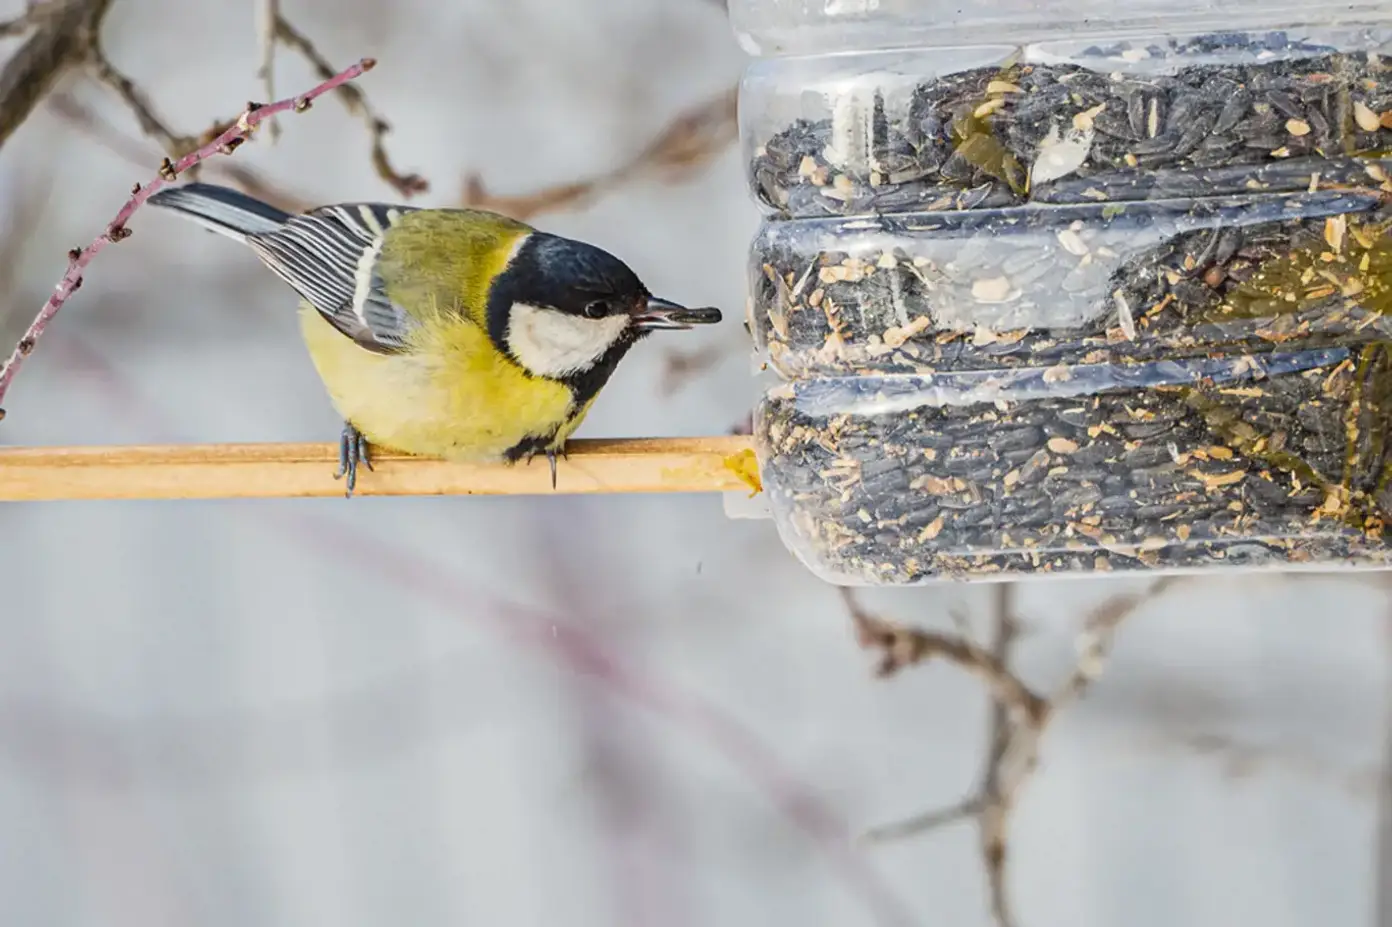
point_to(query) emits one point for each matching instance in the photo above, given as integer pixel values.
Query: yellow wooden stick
(263, 471)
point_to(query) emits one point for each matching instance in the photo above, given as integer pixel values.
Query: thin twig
(1018, 720)
(68, 36)
(902, 647)
(138, 102)
(267, 16)
(82, 118)
(1237, 759)
(922, 823)
(355, 101)
(176, 145)
(1095, 642)
(116, 230)
(684, 145)
(996, 792)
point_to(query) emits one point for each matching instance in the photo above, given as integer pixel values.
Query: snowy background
(608, 711)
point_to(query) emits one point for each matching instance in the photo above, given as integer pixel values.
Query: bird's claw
(353, 449)
(551, 456)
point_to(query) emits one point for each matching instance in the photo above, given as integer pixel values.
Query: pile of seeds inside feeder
(998, 136)
(1277, 458)
(1069, 284)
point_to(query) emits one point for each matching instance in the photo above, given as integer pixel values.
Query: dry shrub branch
(64, 36)
(90, 123)
(686, 144)
(355, 101)
(78, 258)
(1019, 714)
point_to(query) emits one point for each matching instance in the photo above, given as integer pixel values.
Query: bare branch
(60, 42)
(136, 100)
(1018, 720)
(684, 145)
(923, 823)
(68, 36)
(274, 28)
(116, 230)
(1095, 642)
(34, 11)
(903, 647)
(267, 16)
(406, 185)
(82, 118)
(997, 791)
(691, 140)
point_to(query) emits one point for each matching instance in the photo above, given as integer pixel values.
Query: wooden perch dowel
(264, 471)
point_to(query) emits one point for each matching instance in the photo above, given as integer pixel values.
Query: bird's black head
(576, 278)
(565, 309)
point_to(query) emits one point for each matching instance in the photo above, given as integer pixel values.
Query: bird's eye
(597, 309)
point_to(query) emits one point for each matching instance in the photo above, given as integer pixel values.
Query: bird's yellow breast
(450, 395)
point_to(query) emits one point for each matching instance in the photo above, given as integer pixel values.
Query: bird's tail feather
(222, 209)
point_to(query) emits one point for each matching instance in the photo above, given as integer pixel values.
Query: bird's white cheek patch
(554, 344)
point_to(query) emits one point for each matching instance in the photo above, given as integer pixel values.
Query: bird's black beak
(662, 313)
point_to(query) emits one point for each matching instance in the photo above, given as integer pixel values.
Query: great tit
(451, 333)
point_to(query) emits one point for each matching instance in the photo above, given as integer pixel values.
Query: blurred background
(607, 711)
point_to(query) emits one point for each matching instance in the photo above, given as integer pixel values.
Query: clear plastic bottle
(771, 28)
(1076, 289)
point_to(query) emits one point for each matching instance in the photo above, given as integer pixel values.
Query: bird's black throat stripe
(583, 386)
(587, 383)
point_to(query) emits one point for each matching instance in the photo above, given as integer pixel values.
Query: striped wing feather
(330, 257)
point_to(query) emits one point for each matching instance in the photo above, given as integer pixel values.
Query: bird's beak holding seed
(662, 313)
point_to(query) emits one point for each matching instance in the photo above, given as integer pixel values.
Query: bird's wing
(330, 257)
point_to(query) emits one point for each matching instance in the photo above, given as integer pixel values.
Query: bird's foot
(551, 455)
(353, 449)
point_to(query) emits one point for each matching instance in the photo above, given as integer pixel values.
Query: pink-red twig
(116, 230)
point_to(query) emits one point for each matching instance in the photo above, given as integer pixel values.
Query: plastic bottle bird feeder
(1100, 290)
(1071, 289)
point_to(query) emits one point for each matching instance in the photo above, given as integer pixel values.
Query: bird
(452, 333)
